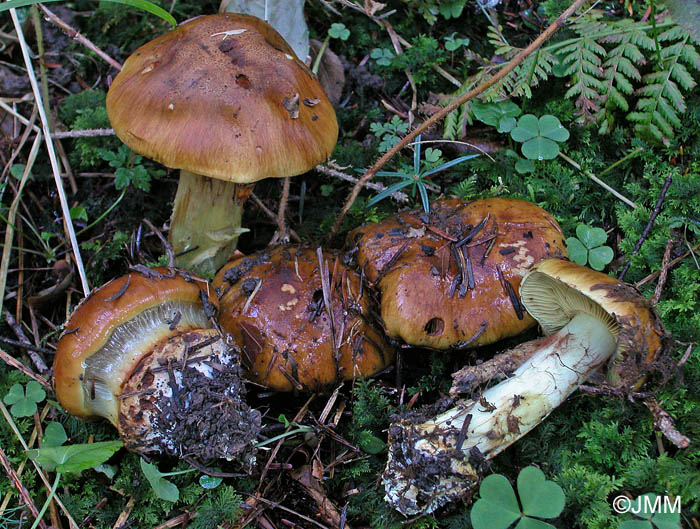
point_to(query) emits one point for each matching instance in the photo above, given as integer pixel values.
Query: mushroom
(224, 99)
(140, 352)
(589, 318)
(301, 319)
(448, 279)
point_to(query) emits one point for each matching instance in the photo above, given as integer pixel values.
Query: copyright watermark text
(649, 504)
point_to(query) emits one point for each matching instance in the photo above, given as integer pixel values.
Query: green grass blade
(388, 191)
(449, 164)
(144, 5)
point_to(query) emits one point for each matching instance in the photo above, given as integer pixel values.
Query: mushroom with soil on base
(224, 99)
(140, 352)
(448, 279)
(590, 319)
(301, 319)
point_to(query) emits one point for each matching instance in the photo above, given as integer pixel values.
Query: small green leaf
(532, 523)
(539, 496)
(339, 31)
(667, 520)
(540, 148)
(524, 166)
(54, 435)
(497, 506)
(551, 127)
(591, 237)
(528, 127)
(24, 404)
(140, 4)
(370, 444)
(209, 482)
(578, 253)
(78, 213)
(72, 458)
(432, 155)
(108, 470)
(164, 489)
(493, 113)
(599, 257)
(506, 124)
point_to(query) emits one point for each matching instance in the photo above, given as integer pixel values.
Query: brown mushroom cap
(425, 301)
(223, 96)
(94, 323)
(272, 304)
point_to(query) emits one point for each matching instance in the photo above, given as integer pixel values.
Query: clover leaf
(498, 508)
(339, 31)
(54, 435)
(654, 514)
(23, 401)
(588, 247)
(539, 137)
(383, 56)
(495, 113)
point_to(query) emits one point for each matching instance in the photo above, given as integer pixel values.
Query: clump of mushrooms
(141, 352)
(225, 99)
(301, 318)
(589, 319)
(448, 279)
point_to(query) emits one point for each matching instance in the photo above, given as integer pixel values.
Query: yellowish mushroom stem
(206, 222)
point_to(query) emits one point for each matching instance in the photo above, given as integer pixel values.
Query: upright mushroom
(140, 352)
(224, 99)
(448, 279)
(301, 319)
(589, 318)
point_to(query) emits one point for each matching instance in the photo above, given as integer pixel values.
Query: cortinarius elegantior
(300, 317)
(140, 352)
(224, 98)
(589, 318)
(448, 279)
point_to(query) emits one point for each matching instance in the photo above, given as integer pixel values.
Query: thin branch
(599, 181)
(458, 102)
(645, 233)
(166, 245)
(398, 195)
(13, 362)
(267, 211)
(76, 35)
(282, 210)
(673, 263)
(52, 153)
(664, 272)
(83, 133)
(21, 489)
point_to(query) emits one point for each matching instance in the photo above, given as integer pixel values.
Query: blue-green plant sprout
(336, 31)
(453, 42)
(23, 401)
(53, 456)
(500, 114)
(144, 5)
(163, 489)
(418, 179)
(652, 512)
(588, 247)
(498, 508)
(540, 137)
(382, 56)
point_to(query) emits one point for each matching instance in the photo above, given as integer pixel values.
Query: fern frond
(584, 63)
(661, 102)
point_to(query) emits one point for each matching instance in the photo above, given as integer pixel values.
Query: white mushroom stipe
(505, 413)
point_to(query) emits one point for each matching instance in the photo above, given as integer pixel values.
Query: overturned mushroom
(140, 352)
(300, 317)
(225, 99)
(589, 318)
(448, 279)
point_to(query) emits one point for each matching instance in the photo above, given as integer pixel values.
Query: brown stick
(664, 422)
(74, 34)
(83, 133)
(267, 211)
(673, 263)
(11, 361)
(23, 492)
(502, 73)
(282, 210)
(647, 229)
(664, 272)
